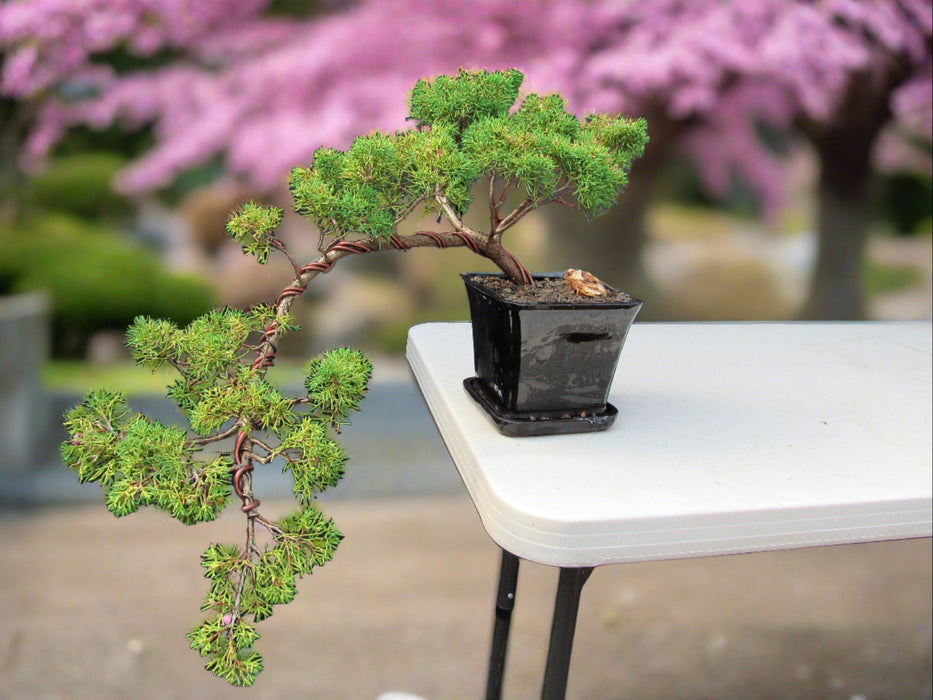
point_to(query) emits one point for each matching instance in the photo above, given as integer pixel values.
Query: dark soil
(551, 290)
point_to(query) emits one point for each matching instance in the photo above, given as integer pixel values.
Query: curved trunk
(507, 262)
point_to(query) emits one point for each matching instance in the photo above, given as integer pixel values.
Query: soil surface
(549, 290)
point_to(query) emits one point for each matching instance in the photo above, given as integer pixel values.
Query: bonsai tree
(465, 130)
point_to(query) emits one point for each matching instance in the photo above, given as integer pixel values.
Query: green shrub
(97, 279)
(907, 202)
(79, 184)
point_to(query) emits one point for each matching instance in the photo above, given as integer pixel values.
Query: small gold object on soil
(584, 284)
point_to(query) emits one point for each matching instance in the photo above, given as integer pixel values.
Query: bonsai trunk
(507, 262)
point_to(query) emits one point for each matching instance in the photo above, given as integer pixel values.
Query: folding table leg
(505, 601)
(564, 623)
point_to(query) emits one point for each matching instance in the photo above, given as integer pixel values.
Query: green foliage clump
(141, 462)
(464, 99)
(217, 383)
(545, 149)
(314, 458)
(467, 130)
(243, 591)
(336, 382)
(372, 186)
(253, 227)
(224, 393)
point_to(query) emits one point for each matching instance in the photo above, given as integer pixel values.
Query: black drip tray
(532, 424)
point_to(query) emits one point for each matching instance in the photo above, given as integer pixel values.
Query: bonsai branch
(278, 245)
(408, 210)
(230, 432)
(461, 236)
(242, 483)
(495, 204)
(452, 215)
(528, 204)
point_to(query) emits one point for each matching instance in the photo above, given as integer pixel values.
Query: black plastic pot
(545, 369)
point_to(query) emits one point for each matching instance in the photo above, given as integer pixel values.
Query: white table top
(731, 437)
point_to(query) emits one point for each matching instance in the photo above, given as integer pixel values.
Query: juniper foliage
(225, 395)
(469, 126)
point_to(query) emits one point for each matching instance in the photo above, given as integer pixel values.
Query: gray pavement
(93, 607)
(96, 608)
(393, 446)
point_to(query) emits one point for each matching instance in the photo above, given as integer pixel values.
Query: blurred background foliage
(98, 278)
(73, 239)
(119, 165)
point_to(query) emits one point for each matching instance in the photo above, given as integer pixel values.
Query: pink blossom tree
(835, 72)
(47, 44)
(262, 92)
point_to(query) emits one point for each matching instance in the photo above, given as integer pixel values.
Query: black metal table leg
(505, 602)
(563, 625)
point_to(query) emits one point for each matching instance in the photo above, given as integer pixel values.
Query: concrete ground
(92, 607)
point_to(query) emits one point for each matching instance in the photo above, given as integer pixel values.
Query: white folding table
(731, 438)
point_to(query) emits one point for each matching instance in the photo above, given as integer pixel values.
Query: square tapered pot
(545, 368)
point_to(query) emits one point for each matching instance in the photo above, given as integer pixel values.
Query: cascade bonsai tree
(464, 131)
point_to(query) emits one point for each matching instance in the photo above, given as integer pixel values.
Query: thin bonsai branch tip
(278, 245)
(253, 457)
(409, 209)
(216, 438)
(263, 445)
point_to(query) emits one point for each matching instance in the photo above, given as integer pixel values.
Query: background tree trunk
(844, 144)
(611, 245)
(844, 200)
(14, 124)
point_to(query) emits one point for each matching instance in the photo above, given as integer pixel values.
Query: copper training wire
(240, 469)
